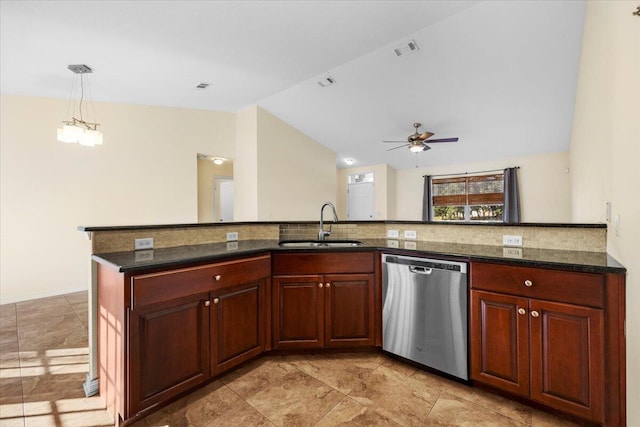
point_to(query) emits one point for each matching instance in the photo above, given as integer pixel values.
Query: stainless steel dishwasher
(424, 312)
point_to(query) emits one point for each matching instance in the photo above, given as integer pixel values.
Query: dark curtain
(511, 197)
(427, 200)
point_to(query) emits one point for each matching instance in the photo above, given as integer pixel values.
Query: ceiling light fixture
(78, 130)
(348, 161)
(218, 161)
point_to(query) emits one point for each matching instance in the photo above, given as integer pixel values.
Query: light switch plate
(232, 246)
(393, 234)
(410, 234)
(144, 255)
(139, 244)
(233, 236)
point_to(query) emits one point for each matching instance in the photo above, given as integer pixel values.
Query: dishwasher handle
(420, 270)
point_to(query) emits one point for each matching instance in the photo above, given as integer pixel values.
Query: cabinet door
(567, 358)
(237, 325)
(500, 341)
(298, 311)
(169, 349)
(349, 310)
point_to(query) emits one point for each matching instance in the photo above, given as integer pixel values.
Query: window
(473, 198)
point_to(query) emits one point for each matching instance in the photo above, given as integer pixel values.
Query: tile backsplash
(590, 239)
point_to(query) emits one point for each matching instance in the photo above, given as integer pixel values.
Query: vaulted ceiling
(499, 75)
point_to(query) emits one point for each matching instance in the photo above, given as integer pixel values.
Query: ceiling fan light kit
(417, 142)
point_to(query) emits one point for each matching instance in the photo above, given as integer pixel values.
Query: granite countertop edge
(181, 256)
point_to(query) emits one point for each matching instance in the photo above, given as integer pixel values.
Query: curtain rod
(470, 173)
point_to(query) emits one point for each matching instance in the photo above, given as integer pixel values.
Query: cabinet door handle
(207, 303)
(528, 283)
(216, 300)
(320, 285)
(522, 311)
(328, 285)
(217, 277)
(535, 314)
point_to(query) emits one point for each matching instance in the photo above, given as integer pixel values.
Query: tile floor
(44, 360)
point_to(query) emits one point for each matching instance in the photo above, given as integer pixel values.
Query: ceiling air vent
(202, 86)
(327, 80)
(407, 48)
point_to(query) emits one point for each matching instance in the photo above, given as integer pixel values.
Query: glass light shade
(416, 148)
(94, 136)
(218, 161)
(69, 133)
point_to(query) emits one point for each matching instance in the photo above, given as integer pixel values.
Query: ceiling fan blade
(441, 140)
(399, 146)
(426, 147)
(396, 142)
(425, 135)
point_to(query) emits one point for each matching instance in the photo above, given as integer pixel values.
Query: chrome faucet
(322, 233)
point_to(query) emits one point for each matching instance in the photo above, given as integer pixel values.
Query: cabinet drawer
(555, 285)
(233, 273)
(167, 285)
(323, 263)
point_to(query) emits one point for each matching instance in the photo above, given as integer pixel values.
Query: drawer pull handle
(320, 285)
(328, 285)
(216, 300)
(217, 277)
(522, 311)
(528, 283)
(207, 303)
(535, 314)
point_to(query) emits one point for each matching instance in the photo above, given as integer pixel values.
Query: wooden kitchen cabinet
(165, 332)
(335, 309)
(550, 351)
(238, 319)
(169, 345)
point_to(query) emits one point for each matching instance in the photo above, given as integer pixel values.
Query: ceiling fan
(417, 142)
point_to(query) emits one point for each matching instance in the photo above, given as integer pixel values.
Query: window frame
(476, 199)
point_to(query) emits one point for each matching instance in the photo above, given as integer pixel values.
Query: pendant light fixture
(77, 129)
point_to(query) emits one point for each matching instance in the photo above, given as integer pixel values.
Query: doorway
(360, 197)
(224, 198)
(215, 180)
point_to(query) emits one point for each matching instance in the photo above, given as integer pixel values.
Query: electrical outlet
(392, 243)
(232, 236)
(393, 234)
(410, 234)
(511, 240)
(512, 252)
(139, 244)
(232, 246)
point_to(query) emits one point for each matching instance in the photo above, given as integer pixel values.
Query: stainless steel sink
(319, 243)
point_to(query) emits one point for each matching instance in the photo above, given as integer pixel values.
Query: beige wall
(245, 183)
(384, 190)
(295, 173)
(144, 173)
(208, 184)
(605, 153)
(543, 179)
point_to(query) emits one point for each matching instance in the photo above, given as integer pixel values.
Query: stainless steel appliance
(424, 312)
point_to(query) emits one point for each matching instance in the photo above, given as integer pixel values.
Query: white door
(360, 201)
(226, 200)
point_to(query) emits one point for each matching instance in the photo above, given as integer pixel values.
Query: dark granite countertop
(142, 261)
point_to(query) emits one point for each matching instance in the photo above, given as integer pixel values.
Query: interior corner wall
(296, 175)
(145, 173)
(245, 168)
(543, 180)
(605, 154)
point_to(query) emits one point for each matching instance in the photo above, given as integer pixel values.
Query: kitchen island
(228, 302)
